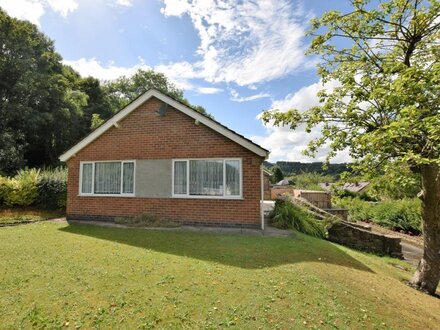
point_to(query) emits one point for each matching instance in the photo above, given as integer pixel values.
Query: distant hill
(293, 168)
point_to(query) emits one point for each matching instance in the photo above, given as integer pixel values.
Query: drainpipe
(262, 197)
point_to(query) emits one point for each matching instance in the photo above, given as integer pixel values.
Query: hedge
(45, 189)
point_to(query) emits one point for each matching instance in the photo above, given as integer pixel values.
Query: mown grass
(19, 215)
(55, 275)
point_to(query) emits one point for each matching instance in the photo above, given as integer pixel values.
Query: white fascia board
(138, 102)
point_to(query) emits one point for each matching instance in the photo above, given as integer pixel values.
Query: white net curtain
(108, 178)
(87, 178)
(232, 177)
(128, 178)
(180, 178)
(206, 177)
(105, 178)
(215, 177)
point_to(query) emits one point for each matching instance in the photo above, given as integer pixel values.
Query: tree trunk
(427, 276)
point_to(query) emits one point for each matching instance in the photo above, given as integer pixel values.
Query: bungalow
(158, 156)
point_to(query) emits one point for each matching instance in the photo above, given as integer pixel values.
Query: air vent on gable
(163, 109)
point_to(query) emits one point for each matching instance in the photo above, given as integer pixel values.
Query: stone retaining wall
(354, 237)
(340, 213)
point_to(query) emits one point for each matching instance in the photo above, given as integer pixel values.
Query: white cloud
(126, 3)
(63, 7)
(177, 73)
(245, 43)
(32, 10)
(208, 90)
(287, 144)
(92, 67)
(237, 98)
(24, 9)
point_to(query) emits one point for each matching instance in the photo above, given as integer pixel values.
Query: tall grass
(287, 215)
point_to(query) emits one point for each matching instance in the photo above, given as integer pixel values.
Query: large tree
(383, 58)
(123, 90)
(40, 107)
(45, 106)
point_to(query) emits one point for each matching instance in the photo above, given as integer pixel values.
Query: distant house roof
(284, 182)
(356, 187)
(200, 118)
(352, 187)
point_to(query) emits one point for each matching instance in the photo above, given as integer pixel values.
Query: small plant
(287, 215)
(146, 220)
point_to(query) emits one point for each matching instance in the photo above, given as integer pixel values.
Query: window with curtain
(87, 178)
(180, 178)
(232, 186)
(207, 177)
(107, 178)
(127, 178)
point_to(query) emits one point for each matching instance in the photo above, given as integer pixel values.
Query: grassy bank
(55, 275)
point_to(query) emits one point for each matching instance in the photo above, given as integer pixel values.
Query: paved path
(411, 252)
(412, 246)
(268, 231)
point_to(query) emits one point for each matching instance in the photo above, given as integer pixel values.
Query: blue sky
(235, 58)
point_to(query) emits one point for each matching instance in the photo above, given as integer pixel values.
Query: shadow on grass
(249, 252)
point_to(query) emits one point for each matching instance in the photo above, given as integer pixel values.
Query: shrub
(52, 189)
(52, 194)
(46, 189)
(344, 193)
(3, 189)
(311, 181)
(21, 190)
(358, 210)
(287, 215)
(404, 214)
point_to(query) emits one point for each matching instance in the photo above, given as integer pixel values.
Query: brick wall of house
(144, 134)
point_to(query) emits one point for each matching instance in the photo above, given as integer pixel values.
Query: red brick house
(159, 157)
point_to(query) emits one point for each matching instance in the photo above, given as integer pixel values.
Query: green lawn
(20, 215)
(54, 275)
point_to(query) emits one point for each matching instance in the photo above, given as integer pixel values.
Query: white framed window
(207, 178)
(107, 178)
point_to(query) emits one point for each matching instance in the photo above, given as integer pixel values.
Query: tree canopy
(37, 94)
(46, 106)
(123, 90)
(277, 174)
(384, 60)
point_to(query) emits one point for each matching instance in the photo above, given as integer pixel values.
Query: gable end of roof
(203, 119)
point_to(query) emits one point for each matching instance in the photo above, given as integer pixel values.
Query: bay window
(107, 178)
(207, 178)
